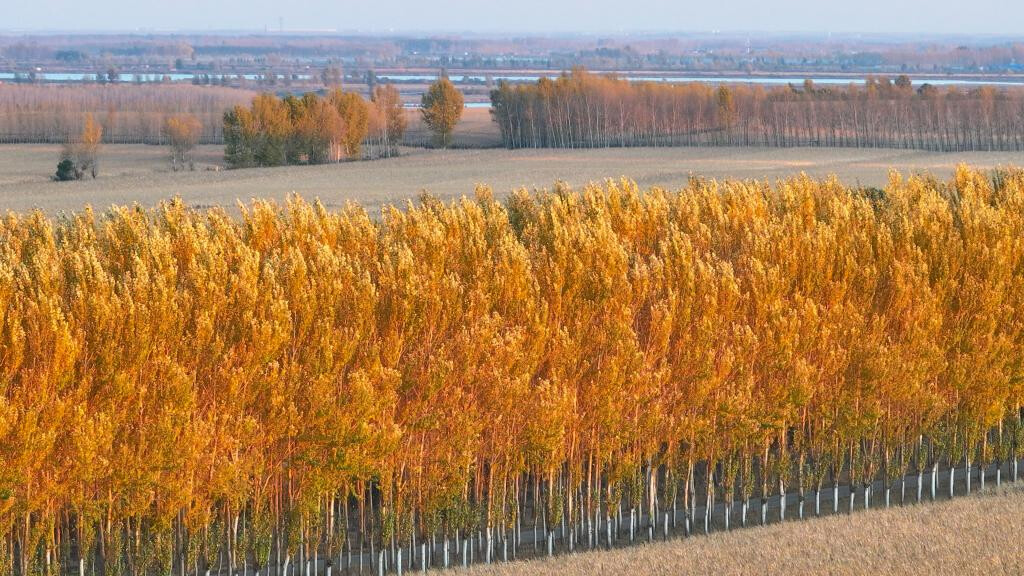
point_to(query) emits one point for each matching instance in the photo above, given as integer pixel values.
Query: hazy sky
(885, 16)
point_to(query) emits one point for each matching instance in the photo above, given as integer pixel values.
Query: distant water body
(128, 78)
(480, 79)
(765, 80)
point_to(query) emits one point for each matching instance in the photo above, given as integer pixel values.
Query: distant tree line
(129, 114)
(312, 129)
(582, 110)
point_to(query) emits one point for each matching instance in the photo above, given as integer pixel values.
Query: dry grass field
(979, 534)
(139, 173)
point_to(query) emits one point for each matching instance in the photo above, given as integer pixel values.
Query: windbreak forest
(301, 391)
(583, 110)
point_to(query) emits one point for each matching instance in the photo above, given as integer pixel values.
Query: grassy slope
(980, 534)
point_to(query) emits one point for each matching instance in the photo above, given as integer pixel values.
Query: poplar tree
(441, 109)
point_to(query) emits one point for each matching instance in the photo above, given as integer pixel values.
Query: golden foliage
(182, 368)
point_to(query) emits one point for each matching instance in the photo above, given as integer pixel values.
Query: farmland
(140, 173)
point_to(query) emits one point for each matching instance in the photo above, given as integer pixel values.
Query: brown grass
(979, 534)
(139, 173)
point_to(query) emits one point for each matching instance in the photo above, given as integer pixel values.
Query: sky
(907, 17)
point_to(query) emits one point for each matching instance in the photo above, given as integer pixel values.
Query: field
(973, 535)
(140, 173)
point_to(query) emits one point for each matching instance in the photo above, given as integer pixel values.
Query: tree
(354, 113)
(726, 109)
(317, 130)
(83, 151)
(331, 77)
(66, 170)
(239, 138)
(442, 107)
(388, 101)
(183, 132)
(272, 127)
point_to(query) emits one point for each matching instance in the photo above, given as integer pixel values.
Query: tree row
(128, 114)
(301, 391)
(581, 110)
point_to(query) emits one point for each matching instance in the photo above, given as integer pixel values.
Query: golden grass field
(978, 534)
(140, 173)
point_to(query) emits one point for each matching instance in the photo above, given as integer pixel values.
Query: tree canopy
(182, 390)
(442, 107)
